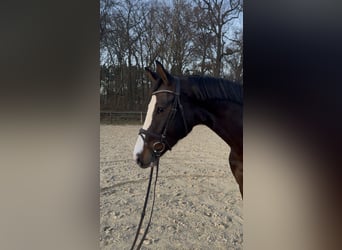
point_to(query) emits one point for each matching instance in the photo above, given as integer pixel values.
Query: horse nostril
(138, 160)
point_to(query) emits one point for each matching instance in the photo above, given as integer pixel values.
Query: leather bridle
(158, 148)
(161, 144)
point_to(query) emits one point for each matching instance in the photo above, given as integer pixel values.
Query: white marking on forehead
(150, 110)
(139, 145)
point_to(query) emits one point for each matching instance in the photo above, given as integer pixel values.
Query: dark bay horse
(179, 103)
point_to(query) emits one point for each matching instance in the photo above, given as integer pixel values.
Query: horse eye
(159, 110)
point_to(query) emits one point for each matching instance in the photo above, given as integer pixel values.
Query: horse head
(165, 123)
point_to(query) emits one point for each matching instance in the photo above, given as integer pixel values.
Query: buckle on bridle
(158, 148)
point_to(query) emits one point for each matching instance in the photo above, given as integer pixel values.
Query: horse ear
(152, 75)
(164, 75)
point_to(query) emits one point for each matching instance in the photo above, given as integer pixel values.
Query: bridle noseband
(161, 144)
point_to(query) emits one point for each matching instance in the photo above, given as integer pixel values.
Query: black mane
(210, 88)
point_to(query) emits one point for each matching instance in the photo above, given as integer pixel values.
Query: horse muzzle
(149, 160)
(144, 162)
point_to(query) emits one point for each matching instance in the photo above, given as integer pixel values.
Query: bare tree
(219, 13)
(235, 57)
(175, 35)
(203, 42)
(181, 35)
(119, 31)
(186, 36)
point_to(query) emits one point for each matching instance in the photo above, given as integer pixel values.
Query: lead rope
(145, 205)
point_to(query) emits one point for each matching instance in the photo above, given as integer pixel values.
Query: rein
(145, 205)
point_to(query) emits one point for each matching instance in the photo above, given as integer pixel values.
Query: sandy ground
(198, 205)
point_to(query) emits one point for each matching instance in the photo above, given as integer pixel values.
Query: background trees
(188, 37)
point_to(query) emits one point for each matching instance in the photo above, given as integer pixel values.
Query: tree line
(202, 37)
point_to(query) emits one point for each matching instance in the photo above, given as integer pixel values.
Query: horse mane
(210, 88)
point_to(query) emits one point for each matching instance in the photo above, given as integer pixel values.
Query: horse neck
(223, 117)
